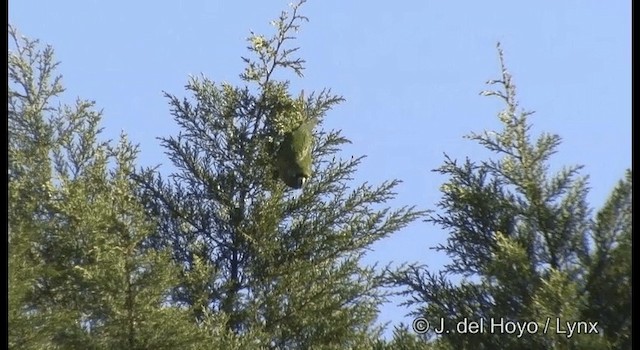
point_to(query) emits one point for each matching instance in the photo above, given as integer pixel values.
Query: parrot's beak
(298, 181)
(301, 180)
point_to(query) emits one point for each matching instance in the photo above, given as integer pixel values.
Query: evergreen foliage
(218, 253)
(268, 258)
(524, 247)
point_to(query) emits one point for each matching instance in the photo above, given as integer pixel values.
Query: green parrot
(294, 155)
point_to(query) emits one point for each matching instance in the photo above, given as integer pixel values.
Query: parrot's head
(299, 181)
(294, 178)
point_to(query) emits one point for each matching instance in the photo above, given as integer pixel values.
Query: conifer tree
(278, 262)
(524, 247)
(608, 276)
(81, 274)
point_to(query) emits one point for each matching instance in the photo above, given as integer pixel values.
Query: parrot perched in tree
(293, 158)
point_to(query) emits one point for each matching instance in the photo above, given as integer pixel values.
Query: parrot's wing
(303, 136)
(305, 147)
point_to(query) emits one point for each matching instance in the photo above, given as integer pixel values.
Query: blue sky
(410, 72)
